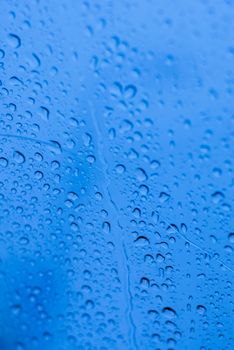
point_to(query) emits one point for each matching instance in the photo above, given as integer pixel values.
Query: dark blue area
(116, 174)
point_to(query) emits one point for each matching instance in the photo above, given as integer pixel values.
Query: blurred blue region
(116, 174)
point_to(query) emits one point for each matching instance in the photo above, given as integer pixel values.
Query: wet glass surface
(116, 174)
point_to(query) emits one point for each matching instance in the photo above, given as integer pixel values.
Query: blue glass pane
(116, 174)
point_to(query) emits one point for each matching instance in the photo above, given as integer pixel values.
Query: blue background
(116, 174)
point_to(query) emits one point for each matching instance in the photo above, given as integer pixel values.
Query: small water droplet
(14, 41)
(18, 157)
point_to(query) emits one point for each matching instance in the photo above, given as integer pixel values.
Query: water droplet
(168, 312)
(106, 227)
(44, 113)
(201, 309)
(164, 197)
(130, 91)
(14, 41)
(18, 157)
(142, 241)
(3, 162)
(54, 147)
(141, 174)
(120, 168)
(217, 197)
(2, 54)
(231, 237)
